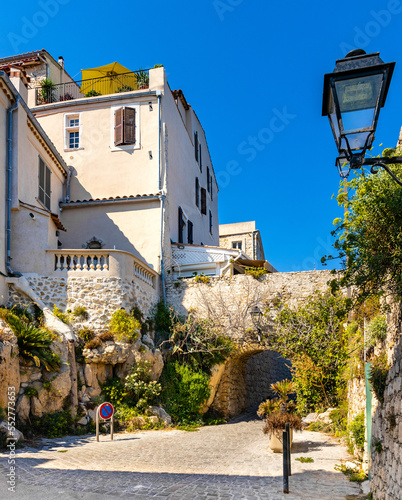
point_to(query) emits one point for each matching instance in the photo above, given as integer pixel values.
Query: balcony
(99, 264)
(114, 84)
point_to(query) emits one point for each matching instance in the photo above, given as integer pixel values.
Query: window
(182, 225)
(190, 232)
(210, 222)
(44, 184)
(200, 159)
(203, 201)
(124, 126)
(196, 146)
(236, 244)
(197, 192)
(72, 132)
(208, 181)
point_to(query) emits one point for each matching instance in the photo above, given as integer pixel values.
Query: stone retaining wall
(386, 468)
(99, 296)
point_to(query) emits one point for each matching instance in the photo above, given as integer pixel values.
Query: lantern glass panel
(358, 100)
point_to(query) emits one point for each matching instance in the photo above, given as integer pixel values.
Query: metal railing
(106, 85)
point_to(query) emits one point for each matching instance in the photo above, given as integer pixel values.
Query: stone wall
(99, 296)
(236, 290)
(247, 375)
(262, 370)
(386, 465)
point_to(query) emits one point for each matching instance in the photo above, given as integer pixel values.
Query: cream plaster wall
(133, 227)
(100, 169)
(182, 169)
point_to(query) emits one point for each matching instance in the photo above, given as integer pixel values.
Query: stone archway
(245, 379)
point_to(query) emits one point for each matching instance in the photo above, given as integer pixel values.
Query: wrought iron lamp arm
(377, 163)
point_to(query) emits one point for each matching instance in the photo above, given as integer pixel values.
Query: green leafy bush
(86, 334)
(378, 376)
(357, 431)
(93, 93)
(377, 330)
(256, 272)
(80, 312)
(30, 392)
(64, 317)
(54, 425)
(201, 278)
(124, 326)
(184, 391)
(114, 391)
(34, 343)
(142, 390)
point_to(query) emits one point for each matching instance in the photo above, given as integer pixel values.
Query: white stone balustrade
(101, 263)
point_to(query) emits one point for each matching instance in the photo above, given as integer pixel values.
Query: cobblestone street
(230, 461)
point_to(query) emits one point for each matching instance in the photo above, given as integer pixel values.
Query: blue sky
(253, 71)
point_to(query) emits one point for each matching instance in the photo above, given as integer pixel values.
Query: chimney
(61, 61)
(19, 81)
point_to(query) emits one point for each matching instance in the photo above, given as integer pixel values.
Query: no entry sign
(106, 411)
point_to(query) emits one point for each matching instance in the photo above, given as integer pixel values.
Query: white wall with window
(72, 131)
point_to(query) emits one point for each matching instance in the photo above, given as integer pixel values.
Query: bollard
(287, 428)
(285, 462)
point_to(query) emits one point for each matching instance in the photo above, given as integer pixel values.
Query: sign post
(105, 412)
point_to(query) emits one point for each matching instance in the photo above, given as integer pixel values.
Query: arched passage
(246, 380)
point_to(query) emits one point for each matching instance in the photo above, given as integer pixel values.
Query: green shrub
(30, 392)
(93, 93)
(201, 278)
(357, 431)
(114, 391)
(377, 445)
(377, 330)
(378, 376)
(142, 390)
(53, 425)
(34, 344)
(86, 334)
(256, 272)
(184, 391)
(305, 460)
(80, 312)
(64, 317)
(124, 326)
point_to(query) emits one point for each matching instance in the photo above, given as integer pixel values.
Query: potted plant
(142, 79)
(278, 412)
(47, 90)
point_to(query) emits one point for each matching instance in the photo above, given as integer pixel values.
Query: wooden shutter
(189, 232)
(210, 221)
(181, 225)
(41, 195)
(118, 127)
(47, 187)
(129, 125)
(200, 159)
(196, 146)
(197, 192)
(208, 181)
(203, 201)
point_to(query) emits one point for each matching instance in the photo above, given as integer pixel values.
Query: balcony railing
(106, 85)
(102, 263)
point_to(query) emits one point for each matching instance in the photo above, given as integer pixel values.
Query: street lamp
(353, 96)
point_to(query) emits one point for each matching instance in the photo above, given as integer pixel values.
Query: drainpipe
(9, 184)
(69, 173)
(162, 198)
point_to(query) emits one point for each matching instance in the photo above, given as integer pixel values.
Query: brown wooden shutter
(189, 232)
(203, 201)
(118, 126)
(129, 125)
(181, 225)
(197, 192)
(208, 181)
(196, 146)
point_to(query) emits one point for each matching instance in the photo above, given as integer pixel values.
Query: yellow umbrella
(107, 79)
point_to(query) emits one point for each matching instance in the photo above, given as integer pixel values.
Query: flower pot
(276, 440)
